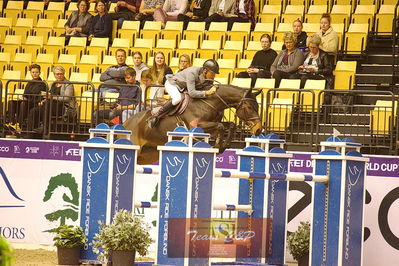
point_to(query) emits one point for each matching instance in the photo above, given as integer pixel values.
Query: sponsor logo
(32, 150)
(10, 189)
(55, 150)
(73, 152)
(17, 149)
(4, 148)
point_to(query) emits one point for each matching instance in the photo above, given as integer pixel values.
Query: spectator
(128, 100)
(220, 9)
(160, 69)
(139, 65)
(301, 36)
(244, 11)
(18, 109)
(184, 62)
(147, 9)
(317, 64)
(198, 11)
(288, 60)
(79, 22)
(60, 100)
(263, 59)
(126, 10)
(329, 38)
(152, 96)
(102, 23)
(170, 10)
(114, 74)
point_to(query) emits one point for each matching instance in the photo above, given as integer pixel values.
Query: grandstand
(363, 103)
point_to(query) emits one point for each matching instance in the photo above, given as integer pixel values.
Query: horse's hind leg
(147, 155)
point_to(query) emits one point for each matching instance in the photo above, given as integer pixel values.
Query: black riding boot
(153, 120)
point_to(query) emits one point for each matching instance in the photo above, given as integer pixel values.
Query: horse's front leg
(230, 133)
(216, 129)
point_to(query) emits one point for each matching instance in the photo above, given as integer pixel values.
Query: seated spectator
(152, 96)
(170, 10)
(18, 109)
(220, 9)
(114, 74)
(60, 102)
(301, 36)
(139, 65)
(101, 26)
(263, 59)
(329, 38)
(287, 61)
(79, 22)
(128, 100)
(244, 11)
(147, 9)
(184, 62)
(125, 10)
(160, 69)
(317, 64)
(198, 11)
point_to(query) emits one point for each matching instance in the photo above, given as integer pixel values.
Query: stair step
(374, 69)
(374, 78)
(380, 58)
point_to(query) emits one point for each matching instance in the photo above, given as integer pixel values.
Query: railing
(395, 49)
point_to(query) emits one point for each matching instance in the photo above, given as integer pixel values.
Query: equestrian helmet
(211, 65)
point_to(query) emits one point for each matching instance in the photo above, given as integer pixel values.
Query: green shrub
(6, 252)
(298, 241)
(69, 236)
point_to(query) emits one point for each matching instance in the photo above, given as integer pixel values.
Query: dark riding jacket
(191, 79)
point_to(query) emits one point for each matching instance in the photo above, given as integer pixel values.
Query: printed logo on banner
(10, 190)
(55, 150)
(70, 204)
(32, 149)
(17, 149)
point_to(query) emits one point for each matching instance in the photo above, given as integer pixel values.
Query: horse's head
(247, 110)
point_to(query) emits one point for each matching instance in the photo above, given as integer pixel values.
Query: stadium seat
(9, 75)
(209, 49)
(86, 105)
(44, 28)
(220, 80)
(108, 60)
(289, 84)
(339, 29)
(381, 118)
(314, 13)
(260, 29)
(242, 65)
(13, 10)
(279, 115)
(189, 47)
(88, 64)
(129, 30)
(59, 27)
(71, 7)
(46, 63)
(384, 19)
(151, 30)
(11, 44)
(167, 47)
(199, 62)
(265, 85)
(119, 43)
(351, 3)
(341, 13)
(95, 80)
(271, 14)
(252, 48)
(23, 27)
(144, 46)
(292, 12)
(345, 75)
(76, 46)
(195, 31)
(79, 77)
(356, 38)
(68, 61)
(226, 68)
(282, 28)
(55, 10)
(98, 46)
(217, 32)
(232, 50)
(34, 10)
(311, 28)
(5, 28)
(307, 98)
(239, 32)
(55, 45)
(5, 59)
(277, 46)
(174, 64)
(364, 14)
(173, 31)
(33, 45)
(242, 82)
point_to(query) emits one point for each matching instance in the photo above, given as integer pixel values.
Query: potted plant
(298, 244)
(120, 240)
(69, 240)
(5, 253)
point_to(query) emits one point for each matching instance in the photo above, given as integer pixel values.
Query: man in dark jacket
(114, 74)
(198, 11)
(197, 81)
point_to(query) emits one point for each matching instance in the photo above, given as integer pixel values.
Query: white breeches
(173, 93)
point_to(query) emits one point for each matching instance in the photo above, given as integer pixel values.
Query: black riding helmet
(211, 65)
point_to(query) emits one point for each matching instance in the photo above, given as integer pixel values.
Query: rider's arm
(191, 87)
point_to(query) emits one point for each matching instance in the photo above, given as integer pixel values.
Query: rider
(196, 80)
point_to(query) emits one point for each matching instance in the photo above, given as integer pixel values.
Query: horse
(206, 113)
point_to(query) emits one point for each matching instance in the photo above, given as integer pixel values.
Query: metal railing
(395, 49)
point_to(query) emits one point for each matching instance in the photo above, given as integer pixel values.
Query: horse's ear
(252, 93)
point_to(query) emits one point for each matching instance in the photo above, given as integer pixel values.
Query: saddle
(179, 109)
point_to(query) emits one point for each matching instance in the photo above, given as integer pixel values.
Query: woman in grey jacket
(288, 60)
(79, 22)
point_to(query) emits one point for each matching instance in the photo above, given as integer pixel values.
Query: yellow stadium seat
(88, 64)
(260, 29)
(151, 30)
(129, 30)
(279, 115)
(223, 81)
(76, 46)
(119, 43)
(384, 19)
(314, 13)
(252, 48)
(339, 29)
(167, 47)
(239, 32)
(271, 14)
(23, 27)
(86, 105)
(108, 60)
(187, 47)
(144, 46)
(79, 77)
(341, 13)
(55, 45)
(13, 10)
(307, 98)
(98, 46)
(44, 28)
(232, 50)
(33, 45)
(292, 12)
(5, 28)
(226, 68)
(217, 32)
(364, 14)
(195, 31)
(34, 10)
(59, 27)
(46, 63)
(68, 61)
(356, 38)
(12, 85)
(11, 44)
(95, 80)
(277, 46)
(311, 28)
(242, 65)
(289, 84)
(112, 7)
(71, 7)
(282, 28)
(5, 59)
(383, 118)
(55, 10)
(345, 75)
(242, 82)
(173, 31)
(28, 76)
(150, 61)
(265, 85)
(209, 49)
(174, 64)
(346, 2)
(199, 62)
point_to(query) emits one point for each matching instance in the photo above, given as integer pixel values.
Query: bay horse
(207, 112)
